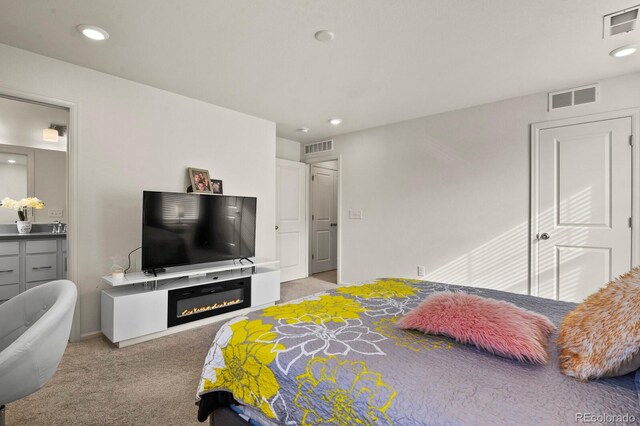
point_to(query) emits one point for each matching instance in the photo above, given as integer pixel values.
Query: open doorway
(34, 142)
(324, 220)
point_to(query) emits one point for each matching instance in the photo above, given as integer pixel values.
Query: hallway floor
(328, 276)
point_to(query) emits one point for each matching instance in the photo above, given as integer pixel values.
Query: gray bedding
(336, 358)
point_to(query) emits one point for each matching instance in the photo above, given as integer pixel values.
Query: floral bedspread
(337, 359)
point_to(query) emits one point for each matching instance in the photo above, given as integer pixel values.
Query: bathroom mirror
(14, 180)
(31, 164)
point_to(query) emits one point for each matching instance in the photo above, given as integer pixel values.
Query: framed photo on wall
(216, 186)
(200, 181)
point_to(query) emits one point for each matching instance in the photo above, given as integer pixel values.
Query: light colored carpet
(152, 383)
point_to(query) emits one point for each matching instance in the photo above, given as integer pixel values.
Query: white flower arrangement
(22, 205)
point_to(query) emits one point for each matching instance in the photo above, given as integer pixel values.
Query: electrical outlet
(55, 213)
(421, 271)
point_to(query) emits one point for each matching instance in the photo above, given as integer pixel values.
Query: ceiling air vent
(314, 148)
(620, 22)
(574, 97)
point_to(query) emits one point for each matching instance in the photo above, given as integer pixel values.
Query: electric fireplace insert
(195, 303)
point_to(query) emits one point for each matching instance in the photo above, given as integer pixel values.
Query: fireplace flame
(199, 309)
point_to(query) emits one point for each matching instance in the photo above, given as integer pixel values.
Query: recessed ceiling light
(93, 32)
(11, 161)
(324, 36)
(623, 51)
(335, 121)
(303, 129)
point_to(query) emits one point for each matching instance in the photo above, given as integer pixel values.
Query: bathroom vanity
(28, 260)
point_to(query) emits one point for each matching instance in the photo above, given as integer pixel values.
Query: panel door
(583, 226)
(291, 231)
(323, 220)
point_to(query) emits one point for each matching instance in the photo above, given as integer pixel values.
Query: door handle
(6, 271)
(36, 268)
(277, 227)
(544, 236)
(334, 224)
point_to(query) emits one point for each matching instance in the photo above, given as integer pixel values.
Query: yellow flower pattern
(322, 360)
(342, 393)
(410, 339)
(246, 373)
(326, 308)
(380, 289)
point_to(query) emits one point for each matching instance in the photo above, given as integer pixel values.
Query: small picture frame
(200, 181)
(216, 186)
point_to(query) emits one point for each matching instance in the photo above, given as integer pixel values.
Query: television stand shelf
(133, 311)
(182, 271)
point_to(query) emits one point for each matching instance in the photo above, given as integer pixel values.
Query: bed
(336, 358)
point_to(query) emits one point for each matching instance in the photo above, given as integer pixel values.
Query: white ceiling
(391, 60)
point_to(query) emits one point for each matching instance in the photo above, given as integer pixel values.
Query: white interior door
(583, 228)
(324, 213)
(291, 230)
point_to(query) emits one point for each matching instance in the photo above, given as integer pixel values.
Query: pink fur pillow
(499, 327)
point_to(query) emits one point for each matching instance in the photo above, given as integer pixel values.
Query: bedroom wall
(287, 149)
(450, 191)
(133, 137)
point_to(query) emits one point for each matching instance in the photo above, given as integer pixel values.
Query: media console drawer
(134, 315)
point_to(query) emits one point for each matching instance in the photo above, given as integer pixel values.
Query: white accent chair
(34, 331)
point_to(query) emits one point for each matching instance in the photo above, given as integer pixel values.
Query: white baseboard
(90, 335)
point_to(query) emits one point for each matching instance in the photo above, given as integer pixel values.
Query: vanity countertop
(31, 236)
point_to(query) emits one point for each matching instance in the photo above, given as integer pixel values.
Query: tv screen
(186, 229)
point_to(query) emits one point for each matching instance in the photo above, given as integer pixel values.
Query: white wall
(450, 191)
(287, 149)
(133, 137)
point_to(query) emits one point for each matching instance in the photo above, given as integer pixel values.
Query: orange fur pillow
(601, 337)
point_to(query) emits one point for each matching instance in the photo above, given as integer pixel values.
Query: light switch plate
(55, 214)
(355, 214)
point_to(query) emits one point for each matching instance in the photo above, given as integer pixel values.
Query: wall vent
(620, 22)
(317, 147)
(574, 97)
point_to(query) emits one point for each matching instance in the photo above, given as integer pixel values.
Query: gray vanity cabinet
(27, 263)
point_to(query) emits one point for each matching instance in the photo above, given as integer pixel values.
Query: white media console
(139, 307)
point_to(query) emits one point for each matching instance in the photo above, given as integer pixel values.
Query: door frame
(72, 190)
(310, 162)
(536, 128)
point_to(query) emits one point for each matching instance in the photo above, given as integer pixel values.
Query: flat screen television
(187, 229)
